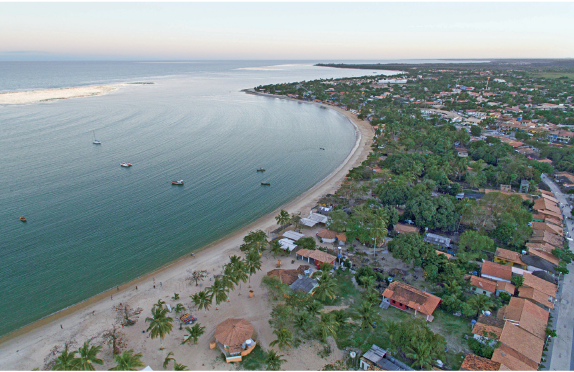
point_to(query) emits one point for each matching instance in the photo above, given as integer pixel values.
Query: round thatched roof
(327, 234)
(233, 332)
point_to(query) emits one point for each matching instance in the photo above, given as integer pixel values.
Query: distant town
(457, 228)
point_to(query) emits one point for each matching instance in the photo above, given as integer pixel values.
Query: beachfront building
(327, 236)
(234, 337)
(378, 359)
(403, 296)
(315, 257)
(313, 219)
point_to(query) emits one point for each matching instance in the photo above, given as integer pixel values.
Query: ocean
(93, 225)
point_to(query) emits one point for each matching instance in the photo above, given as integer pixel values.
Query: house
(327, 236)
(402, 228)
(379, 359)
(287, 276)
(293, 235)
(487, 329)
(234, 338)
(316, 257)
(545, 247)
(483, 285)
(313, 219)
(539, 236)
(512, 359)
(522, 341)
(438, 240)
(403, 296)
(287, 244)
(543, 226)
(542, 204)
(473, 362)
(541, 261)
(304, 284)
(494, 271)
(538, 290)
(507, 257)
(526, 315)
(504, 286)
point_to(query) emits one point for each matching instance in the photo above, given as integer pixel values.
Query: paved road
(561, 352)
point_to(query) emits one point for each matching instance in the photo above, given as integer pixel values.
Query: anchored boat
(126, 164)
(23, 219)
(180, 182)
(260, 170)
(266, 183)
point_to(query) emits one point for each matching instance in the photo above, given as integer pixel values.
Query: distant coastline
(43, 95)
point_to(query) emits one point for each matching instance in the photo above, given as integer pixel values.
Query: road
(561, 352)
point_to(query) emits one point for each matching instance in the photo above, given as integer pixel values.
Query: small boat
(260, 170)
(23, 219)
(95, 141)
(126, 164)
(320, 148)
(266, 183)
(180, 182)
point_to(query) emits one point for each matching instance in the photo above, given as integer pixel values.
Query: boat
(23, 219)
(260, 170)
(95, 141)
(126, 164)
(321, 148)
(180, 182)
(266, 183)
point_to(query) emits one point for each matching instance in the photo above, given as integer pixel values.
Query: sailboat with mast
(95, 141)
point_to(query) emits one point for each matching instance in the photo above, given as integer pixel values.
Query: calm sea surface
(92, 224)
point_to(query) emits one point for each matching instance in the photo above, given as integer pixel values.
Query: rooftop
(483, 283)
(513, 360)
(522, 341)
(508, 255)
(477, 363)
(414, 298)
(540, 284)
(496, 270)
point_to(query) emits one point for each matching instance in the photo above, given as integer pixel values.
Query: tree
(252, 263)
(254, 241)
(179, 367)
(410, 248)
(434, 213)
(128, 361)
(282, 218)
(307, 242)
(88, 355)
(472, 244)
(517, 281)
(275, 248)
(326, 286)
(284, 338)
(202, 300)
(198, 275)
(66, 362)
(239, 270)
(301, 319)
(327, 326)
(218, 290)
(274, 360)
(366, 313)
(179, 308)
(160, 324)
(338, 220)
(378, 231)
(314, 308)
(422, 354)
(159, 304)
(476, 304)
(476, 131)
(115, 338)
(195, 333)
(168, 359)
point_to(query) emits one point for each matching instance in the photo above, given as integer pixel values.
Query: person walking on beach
(136, 287)
(61, 326)
(154, 286)
(111, 297)
(118, 288)
(160, 284)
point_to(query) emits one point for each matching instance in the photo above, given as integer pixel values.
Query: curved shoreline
(35, 332)
(44, 95)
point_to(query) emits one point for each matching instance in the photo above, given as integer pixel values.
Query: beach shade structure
(287, 244)
(327, 236)
(234, 338)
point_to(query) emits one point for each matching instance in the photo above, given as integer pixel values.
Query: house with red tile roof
(512, 359)
(488, 329)
(477, 363)
(483, 286)
(495, 271)
(508, 257)
(522, 342)
(526, 315)
(403, 296)
(503, 286)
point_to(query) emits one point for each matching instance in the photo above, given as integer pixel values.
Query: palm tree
(217, 291)
(179, 367)
(229, 279)
(127, 361)
(422, 354)
(327, 326)
(378, 231)
(301, 319)
(282, 218)
(252, 263)
(274, 360)
(88, 356)
(160, 324)
(479, 303)
(366, 313)
(284, 338)
(275, 248)
(66, 362)
(255, 241)
(314, 308)
(240, 272)
(327, 286)
(371, 296)
(202, 300)
(159, 304)
(195, 333)
(168, 359)
(367, 281)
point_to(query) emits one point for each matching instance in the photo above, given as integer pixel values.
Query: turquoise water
(93, 225)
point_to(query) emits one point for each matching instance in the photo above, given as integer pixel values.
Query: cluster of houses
(519, 328)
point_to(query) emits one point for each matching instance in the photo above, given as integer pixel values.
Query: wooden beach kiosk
(234, 339)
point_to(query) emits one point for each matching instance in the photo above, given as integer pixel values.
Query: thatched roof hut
(232, 333)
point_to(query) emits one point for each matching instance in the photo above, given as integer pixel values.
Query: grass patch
(454, 360)
(553, 75)
(255, 361)
(345, 291)
(449, 324)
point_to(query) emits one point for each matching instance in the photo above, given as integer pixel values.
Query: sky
(293, 30)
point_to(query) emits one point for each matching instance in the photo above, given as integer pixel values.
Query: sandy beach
(28, 347)
(34, 96)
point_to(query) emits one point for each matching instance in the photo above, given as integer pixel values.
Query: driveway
(561, 353)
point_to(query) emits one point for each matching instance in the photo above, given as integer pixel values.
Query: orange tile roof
(547, 193)
(546, 247)
(529, 316)
(547, 227)
(414, 298)
(496, 270)
(540, 236)
(477, 363)
(317, 255)
(513, 360)
(483, 283)
(449, 256)
(550, 213)
(536, 296)
(401, 228)
(508, 255)
(551, 198)
(539, 284)
(544, 204)
(501, 285)
(522, 341)
(544, 255)
(287, 276)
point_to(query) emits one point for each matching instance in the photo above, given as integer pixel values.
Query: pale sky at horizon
(297, 30)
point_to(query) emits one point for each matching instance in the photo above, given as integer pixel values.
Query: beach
(28, 347)
(34, 96)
